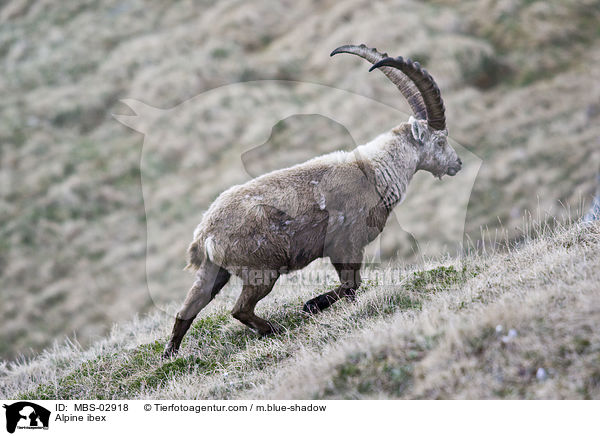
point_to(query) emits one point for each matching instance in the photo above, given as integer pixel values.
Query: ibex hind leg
(210, 279)
(349, 274)
(244, 307)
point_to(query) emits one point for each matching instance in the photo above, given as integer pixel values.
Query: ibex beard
(341, 202)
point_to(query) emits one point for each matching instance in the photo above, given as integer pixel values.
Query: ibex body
(330, 206)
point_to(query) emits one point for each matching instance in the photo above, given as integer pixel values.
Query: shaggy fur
(285, 219)
(288, 218)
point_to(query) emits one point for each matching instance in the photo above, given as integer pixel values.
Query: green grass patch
(439, 279)
(362, 374)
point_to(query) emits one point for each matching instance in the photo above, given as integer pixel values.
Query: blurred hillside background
(520, 79)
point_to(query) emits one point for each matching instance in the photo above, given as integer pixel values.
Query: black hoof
(169, 352)
(311, 307)
(317, 304)
(350, 295)
(273, 330)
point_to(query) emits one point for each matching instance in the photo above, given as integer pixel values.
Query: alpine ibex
(330, 206)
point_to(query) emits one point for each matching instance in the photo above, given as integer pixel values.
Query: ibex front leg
(349, 274)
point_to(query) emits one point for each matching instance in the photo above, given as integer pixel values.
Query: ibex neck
(394, 161)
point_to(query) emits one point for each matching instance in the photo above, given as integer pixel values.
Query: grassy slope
(432, 335)
(520, 82)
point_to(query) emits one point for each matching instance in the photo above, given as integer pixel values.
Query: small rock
(499, 328)
(512, 333)
(541, 374)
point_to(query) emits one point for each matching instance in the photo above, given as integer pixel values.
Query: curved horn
(426, 85)
(408, 89)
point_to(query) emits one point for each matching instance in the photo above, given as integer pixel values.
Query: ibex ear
(418, 129)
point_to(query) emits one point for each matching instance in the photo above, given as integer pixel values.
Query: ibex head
(437, 156)
(428, 126)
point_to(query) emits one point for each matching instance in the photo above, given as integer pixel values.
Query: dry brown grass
(438, 333)
(521, 91)
(459, 345)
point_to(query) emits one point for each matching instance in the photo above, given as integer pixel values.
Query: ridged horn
(425, 84)
(405, 85)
